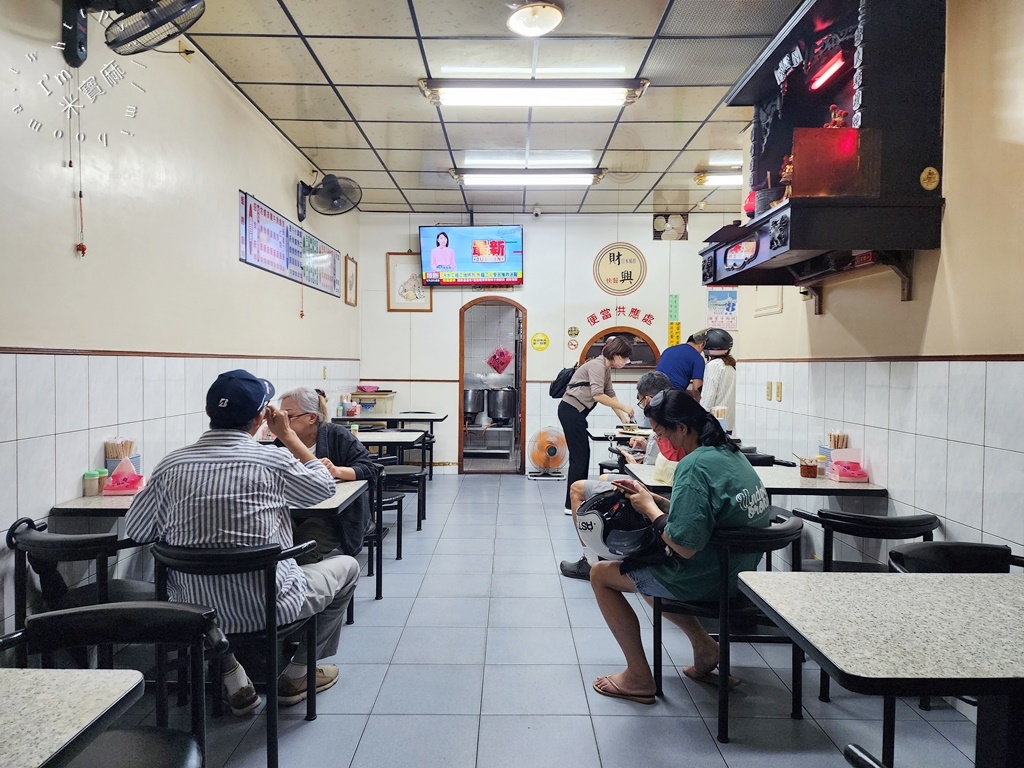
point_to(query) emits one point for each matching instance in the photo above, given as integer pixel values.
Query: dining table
(777, 481)
(938, 634)
(48, 716)
(345, 493)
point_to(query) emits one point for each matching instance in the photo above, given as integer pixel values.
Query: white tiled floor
(481, 656)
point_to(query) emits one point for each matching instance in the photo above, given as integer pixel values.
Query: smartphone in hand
(629, 486)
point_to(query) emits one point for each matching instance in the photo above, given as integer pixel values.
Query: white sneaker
(568, 511)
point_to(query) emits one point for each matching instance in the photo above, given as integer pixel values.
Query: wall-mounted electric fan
(140, 25)
(330, 197)
(548, 454)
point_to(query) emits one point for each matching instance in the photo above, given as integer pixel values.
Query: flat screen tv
(468, 256)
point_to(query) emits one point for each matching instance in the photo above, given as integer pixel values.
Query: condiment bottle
(104, 476)
(821, 465)
(90, 483)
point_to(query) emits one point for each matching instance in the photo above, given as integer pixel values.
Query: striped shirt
(227, 490)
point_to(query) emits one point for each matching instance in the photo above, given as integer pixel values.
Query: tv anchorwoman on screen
(442, 257)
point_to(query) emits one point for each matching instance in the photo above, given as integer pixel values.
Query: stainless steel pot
(472, 401)
(501, 404)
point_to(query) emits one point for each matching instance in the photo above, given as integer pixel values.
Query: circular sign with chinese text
(620, 269)
(539, 341)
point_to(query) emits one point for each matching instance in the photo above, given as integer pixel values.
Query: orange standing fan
(548, 454)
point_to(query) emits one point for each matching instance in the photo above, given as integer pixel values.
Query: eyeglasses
(304, 413)
(641, 398)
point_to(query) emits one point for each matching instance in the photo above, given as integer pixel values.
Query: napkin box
(845, 467)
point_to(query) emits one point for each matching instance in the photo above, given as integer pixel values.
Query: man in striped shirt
(227, 490)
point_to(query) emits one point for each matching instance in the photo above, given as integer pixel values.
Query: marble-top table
(48, 716)
(778, 480)
(913, 634)
(394, 419)
(607, 435)
(345, 493)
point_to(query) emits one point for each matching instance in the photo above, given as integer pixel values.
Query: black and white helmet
(608, 524)
(718, 342)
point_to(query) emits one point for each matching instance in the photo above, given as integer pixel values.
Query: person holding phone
(647, 386)
(714, 486)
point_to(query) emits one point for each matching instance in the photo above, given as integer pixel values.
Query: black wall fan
(141, 25)
(330, 197)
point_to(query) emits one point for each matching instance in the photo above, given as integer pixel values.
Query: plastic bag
(500, 359)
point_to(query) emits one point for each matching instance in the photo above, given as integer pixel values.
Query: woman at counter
(346, 459)
(713, 486)
(590, 385)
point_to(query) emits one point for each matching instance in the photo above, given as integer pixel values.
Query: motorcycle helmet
(608, 524)
(718, 342)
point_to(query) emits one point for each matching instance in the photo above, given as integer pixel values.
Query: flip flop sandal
(710, 678)
(613, 691)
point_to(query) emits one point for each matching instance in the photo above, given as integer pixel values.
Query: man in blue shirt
(684, 364)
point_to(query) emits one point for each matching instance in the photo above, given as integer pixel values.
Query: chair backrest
(191, 626)
(749, 540)
(31, 543)
(952, 557)
(878, 527)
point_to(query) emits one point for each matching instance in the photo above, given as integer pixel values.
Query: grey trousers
(329, 587)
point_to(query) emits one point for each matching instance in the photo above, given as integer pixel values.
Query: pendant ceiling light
(535, 19)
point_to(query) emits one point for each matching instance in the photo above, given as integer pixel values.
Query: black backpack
(561, 383)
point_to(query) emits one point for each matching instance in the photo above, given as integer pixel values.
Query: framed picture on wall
(406, 292)
(351, 281)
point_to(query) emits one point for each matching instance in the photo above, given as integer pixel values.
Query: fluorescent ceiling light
(534, 19)
(498, 158)
(547, 177)
(719, 179)
(527, 72)
(532, 93)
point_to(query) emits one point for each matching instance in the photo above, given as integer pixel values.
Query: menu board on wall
(273, 243)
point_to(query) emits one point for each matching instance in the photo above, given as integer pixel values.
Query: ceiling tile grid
(338, 78)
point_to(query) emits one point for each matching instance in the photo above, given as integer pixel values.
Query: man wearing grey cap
(227, 490)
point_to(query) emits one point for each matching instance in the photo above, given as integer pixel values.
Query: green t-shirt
(712, 488)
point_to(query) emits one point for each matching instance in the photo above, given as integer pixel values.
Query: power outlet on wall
(768, 391)
(778, 391)
(325, 373)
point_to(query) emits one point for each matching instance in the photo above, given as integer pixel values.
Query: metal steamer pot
(472, 402)
(502, 404)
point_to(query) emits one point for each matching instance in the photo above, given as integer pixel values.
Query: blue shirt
(681, 363)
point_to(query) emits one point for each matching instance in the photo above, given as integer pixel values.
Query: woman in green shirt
(714, 486)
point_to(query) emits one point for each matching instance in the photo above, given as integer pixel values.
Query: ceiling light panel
(296, 102)
(263, 60)
(400, 135)
(562, 137)
(555, 53)
(391, 103)
(701, 62)
(355, 61)
(337, 134)
(531, 93)
(436, 161)
(721, 136)
(319, 17)
(262, 17)
(498, 137)
(740, 17)
(348, 159)
(664, 136)
(515, 55)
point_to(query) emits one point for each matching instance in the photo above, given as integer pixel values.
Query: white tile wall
(56, 411)
(942, 437)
